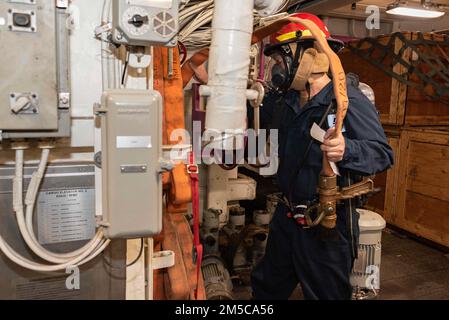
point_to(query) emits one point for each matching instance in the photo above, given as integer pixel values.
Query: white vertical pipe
(229, 62)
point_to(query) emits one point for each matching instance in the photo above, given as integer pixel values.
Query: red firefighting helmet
(296, 32)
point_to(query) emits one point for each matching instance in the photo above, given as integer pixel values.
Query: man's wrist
(348, 150)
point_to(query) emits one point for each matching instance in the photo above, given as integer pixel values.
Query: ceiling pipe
(320, 6)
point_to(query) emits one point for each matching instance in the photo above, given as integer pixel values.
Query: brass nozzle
(328, 200)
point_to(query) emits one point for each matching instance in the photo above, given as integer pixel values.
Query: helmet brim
(336, 45)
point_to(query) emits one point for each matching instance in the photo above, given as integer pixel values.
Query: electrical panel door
(131, 125)
(28, 68)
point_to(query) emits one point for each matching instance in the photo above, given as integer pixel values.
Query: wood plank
(383, 39)
(397, 103)
(432, 120)
(429, 217)
(400, 90)
(390, 94)
(380, 82)
(428, 170)
(420, 109)
(392, 187)
(423, 187)
(384, 202)
(428, 135)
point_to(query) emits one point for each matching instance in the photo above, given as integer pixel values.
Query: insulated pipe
(229, 61)
(109, 63)
(104, 66)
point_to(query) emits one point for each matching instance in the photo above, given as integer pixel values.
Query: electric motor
(217, 280)
(365, 277)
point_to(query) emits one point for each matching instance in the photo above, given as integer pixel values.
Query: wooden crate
(397, 103)
(421, 205)
(390, 93)
(387, 182)
(419, 110)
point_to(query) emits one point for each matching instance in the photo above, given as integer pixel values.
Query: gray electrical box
(131, 128)
(34, 91)
(64, 222)
(146, 22)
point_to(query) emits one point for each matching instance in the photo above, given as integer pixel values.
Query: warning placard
(65, 215)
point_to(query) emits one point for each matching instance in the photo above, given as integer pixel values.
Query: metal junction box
(146, 22)
(64, 221)
(34, 89)
(131, 126)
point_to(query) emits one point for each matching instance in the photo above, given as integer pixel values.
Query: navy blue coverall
(321, 265)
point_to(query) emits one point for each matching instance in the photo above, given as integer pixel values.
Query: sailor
(302, 94)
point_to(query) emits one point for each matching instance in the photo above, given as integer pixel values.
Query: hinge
(62, 4)
(64, 100)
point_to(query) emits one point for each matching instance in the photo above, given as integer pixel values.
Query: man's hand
(334, 147)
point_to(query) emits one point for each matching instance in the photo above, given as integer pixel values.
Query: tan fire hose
(328, 188)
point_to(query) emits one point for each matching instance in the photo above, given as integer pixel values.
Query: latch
(24, 102)
(22, 20)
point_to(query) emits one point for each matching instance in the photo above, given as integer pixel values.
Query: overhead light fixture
(427, 10)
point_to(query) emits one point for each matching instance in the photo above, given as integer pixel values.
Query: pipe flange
(46, 144)
(20, 145)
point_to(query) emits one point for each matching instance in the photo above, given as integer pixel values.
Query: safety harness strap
(193, 171)
(188, 68)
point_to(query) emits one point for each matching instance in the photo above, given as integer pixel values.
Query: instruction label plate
(65, 215)
(139, 142)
